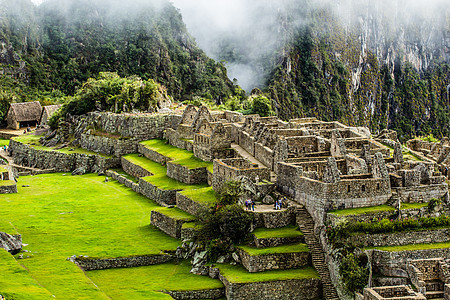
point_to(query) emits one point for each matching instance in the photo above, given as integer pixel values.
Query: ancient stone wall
(138, 126)
(188, 205)
(275, 219)
(276, 241)
(200, 294)
(153, 155)
(123, 180)
(174, 139)
(133, 169)
(279, 261)
(167, 224)
(8, 187)
(401, 238)
(422, 193)
(60, 162)
(186, 175)
(91, 264)
(247, 142)
(162, 197)
(393, 263)
(264, 155)
(305, 289)
(108, 146)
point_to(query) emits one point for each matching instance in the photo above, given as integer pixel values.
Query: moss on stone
(290, 231)
(301, 247)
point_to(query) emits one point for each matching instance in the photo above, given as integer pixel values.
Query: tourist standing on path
(247, 204)
(253, 205)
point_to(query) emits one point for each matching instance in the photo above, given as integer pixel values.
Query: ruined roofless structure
(47, 113)
(23, 114)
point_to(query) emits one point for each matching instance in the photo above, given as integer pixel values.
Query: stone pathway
(266, 208)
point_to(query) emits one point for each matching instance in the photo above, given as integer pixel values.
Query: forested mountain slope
(61, 43)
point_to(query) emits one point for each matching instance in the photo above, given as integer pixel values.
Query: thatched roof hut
(47, 112)
(23, 114)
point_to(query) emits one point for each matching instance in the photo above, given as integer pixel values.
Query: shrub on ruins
(231, 192)
(354, 272)
(110, 92)
(222, 227)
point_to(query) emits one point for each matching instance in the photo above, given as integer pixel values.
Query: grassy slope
(16, 282)
(205, 196)
(238, 274)
(413, 205)
(159, 179)
(284, 232)
(175, 213)
(362, 210)
(275, 250)
(59, 216)
(141, 283)
(4, 142)
(178, 156)
(30, 139)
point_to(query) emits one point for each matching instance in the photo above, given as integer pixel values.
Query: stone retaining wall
(186, 175)
(8, 189)
(393, 264)
(162, 197)
(278, 261)
(368, 217)
(153, 155)
(167, 224)
(200, 294)
(422, 193)
(188, 205)
(275, 219)
(91, 264)
(277, 241)
(401, 238)
(60, 162)
(174, 139)
(133, 169)
(107, 145)
(305, 289)
(123, 180)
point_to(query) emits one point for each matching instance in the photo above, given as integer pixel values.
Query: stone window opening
(434, 269)
(363, 188)
(378, 186)
(348, 189)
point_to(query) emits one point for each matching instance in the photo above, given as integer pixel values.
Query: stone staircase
(306, 223)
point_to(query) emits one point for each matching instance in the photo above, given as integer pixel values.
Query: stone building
(47, 113)
(23, 114)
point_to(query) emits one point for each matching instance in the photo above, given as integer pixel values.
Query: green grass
(362, 210)
(126, 175)
(413, 205)
(159, 179)
(146, 282)
(205, 195)
(33, 141)
(411, 156)
(413, 247)
(7, 182)
(4, 142)
(59, 216)
(178, 156)
(238, 274)
(16, 282)
(290, 231)
(275, 250)
(175, 213)
(3, 169)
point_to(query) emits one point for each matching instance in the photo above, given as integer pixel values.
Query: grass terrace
(60, 216)
(361, 210)
(7, 182)
(147, 282)
(16, 282)
(206, 196)
(159, 179)
(294, 248)
(126, 175)
(413, 247)
(238, 274)
(413, 205)
(175, 213)
(179, 156)
(33, 141)
(4, 142)
(290, 231)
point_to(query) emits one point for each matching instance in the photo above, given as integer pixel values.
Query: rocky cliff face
(381, 64)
